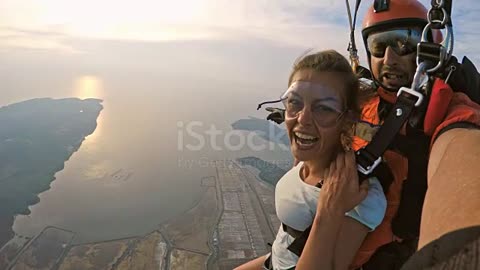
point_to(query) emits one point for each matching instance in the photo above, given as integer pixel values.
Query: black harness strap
(299, 243)
(370, 156)
(415, 146)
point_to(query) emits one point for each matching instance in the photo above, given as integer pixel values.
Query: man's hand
(341, 190)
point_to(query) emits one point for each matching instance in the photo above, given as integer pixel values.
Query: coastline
(231, 223)
(28, 179)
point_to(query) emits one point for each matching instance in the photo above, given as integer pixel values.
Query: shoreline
(199, 237)
(35, 179)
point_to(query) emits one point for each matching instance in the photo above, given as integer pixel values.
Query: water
(129, 175)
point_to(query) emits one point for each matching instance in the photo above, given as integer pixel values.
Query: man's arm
(452, 200)
(255, 264)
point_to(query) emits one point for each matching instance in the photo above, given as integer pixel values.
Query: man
(443, 134)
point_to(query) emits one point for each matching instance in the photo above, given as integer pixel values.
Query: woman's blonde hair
(332, 61)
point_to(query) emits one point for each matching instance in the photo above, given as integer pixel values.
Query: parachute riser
(432, 57)
(436, 54)
(352, 47)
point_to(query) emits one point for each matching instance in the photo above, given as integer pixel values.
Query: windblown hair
(332, 61)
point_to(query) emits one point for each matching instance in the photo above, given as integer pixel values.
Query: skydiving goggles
(323, 103)
(401, 41)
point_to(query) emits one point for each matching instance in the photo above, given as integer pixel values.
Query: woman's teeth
(305, 139)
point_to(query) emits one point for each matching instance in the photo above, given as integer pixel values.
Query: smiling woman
(321, 105)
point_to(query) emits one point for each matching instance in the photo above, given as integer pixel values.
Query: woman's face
(313, 117)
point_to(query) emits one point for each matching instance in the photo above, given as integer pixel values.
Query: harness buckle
(368, 168)
(413, 93)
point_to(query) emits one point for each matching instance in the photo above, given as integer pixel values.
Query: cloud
(180, 20)
(299, 23)
(12, 37)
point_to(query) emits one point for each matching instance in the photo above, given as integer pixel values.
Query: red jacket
(450, 108)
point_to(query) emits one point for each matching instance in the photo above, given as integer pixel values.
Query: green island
(36, 138)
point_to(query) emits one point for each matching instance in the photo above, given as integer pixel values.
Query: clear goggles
(401, 41)
(323, 103)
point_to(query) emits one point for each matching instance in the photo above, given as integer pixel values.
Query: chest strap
(370, 156)
(291, 231)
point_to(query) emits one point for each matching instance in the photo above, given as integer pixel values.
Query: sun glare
(88, 87)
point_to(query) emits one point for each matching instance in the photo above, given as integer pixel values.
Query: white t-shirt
(296, 204)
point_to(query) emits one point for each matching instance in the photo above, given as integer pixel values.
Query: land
(149, 253)
(192, 230)
(36, 138)
(231, 223)
(9, 252)
(44, 250)
(92, 256)
(182, 259)
(245, 227)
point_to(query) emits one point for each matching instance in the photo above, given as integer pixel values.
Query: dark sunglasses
(401, 41)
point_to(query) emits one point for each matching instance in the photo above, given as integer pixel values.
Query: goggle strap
(268, 102)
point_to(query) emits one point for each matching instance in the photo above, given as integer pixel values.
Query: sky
(48, 24)
(242, 40)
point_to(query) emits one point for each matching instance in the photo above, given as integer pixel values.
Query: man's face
(393, 56)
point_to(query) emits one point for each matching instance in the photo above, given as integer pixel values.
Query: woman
(320, 104)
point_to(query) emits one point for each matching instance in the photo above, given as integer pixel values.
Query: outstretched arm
(452, 200)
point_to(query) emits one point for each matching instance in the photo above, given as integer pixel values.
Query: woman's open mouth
(304, 140)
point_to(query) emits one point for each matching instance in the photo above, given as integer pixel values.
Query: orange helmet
(388, 14)
(395, 12)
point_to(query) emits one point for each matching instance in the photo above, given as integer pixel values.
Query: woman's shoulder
(371, 210)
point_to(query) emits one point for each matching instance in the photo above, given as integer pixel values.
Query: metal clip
(447, 45)
(444, 20)
(369, 169)
(419, 79)
(439, 3)
(452, 69)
